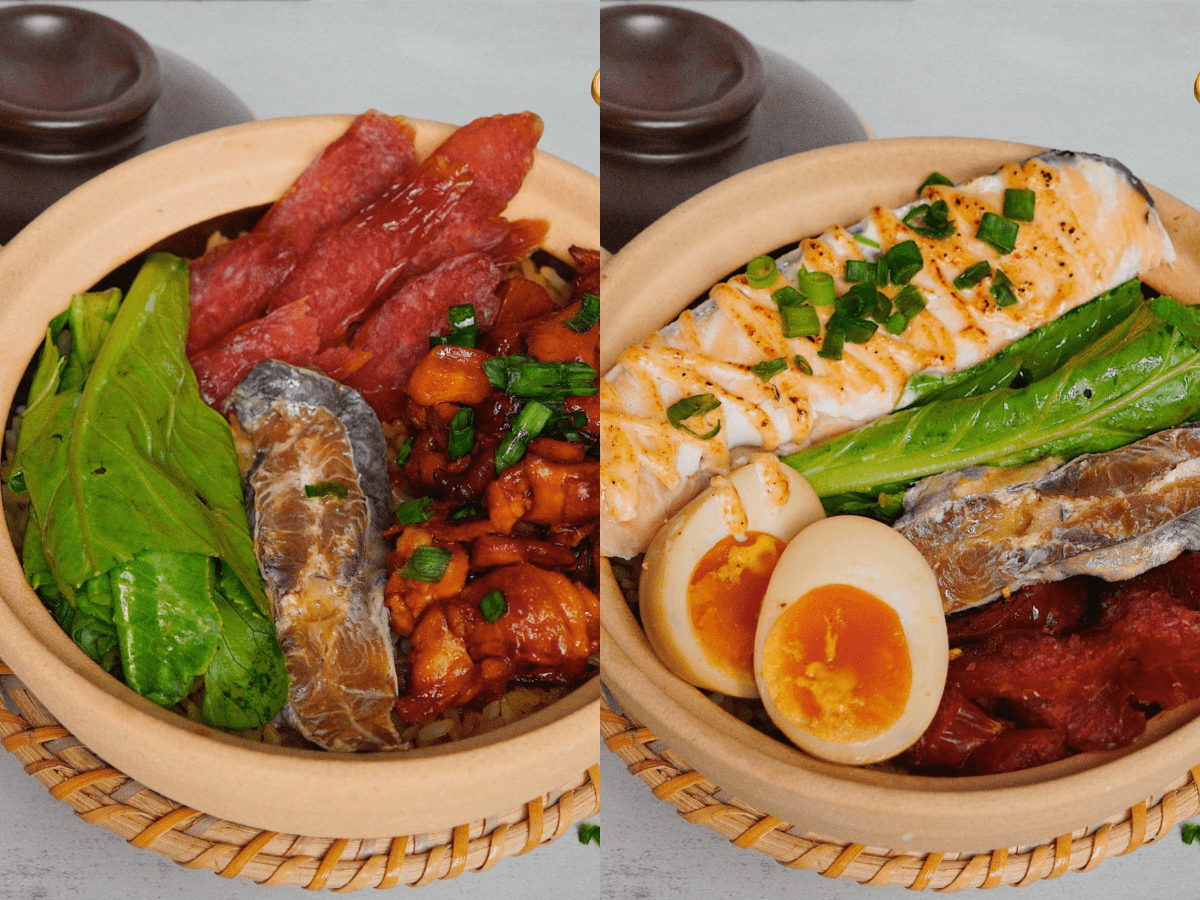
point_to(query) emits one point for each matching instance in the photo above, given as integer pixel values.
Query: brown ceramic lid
(687, 101)
(79, 93)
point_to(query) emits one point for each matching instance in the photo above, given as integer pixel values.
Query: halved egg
(851, 649)
(705, 573)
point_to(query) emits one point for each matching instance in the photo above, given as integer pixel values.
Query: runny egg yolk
(837, 664)
(725, 595)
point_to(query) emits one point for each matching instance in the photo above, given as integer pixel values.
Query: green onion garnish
(1018, 204)
(464, 512)
(524, 376)
(761, 272)
(931, 220)
(799, 321)
(588, 316)
(427, 563)
(403, 452)
(326, 489)
(464, 330)
(802, 365)
(852, 328)
(863, 239)
(972, 275)
(493, 605)
(817, 287)
(769, 368)
(529, 424)
(690, 407)
(787, 296)
(904, 261)
(831, 345)
(589, 832)
(934, 178)
(859, 271)
(16, 482)
(998, 231)
(413, 512)
(908, 301)
(1003, 289)
(462, 433)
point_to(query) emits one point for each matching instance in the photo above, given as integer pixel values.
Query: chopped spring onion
(908, 302)
(462, 433)
(817, 287)
(1019, 204)
(590, 831)
(524, 376)
(831, 345)
(931, 220)
(493, 605)
(903, 261)
(998, 231)
(588, 316)
(852, 328)
(464, 331)
(326, 489)
(529, 424)
(972, 275)
(859, 271)
(934, 178)
(413, 512)
(802, 365)
(788, 296)
(761, 272)
(464, 512)
(799, 321)
(863, 239)
(427, 563)
(690, 407)
(404, 451)
(769, 368)
(1003, 289)
(864, 301)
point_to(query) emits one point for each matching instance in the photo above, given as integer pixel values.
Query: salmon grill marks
(1094, 229)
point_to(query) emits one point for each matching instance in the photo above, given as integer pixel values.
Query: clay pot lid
(673, 73)
(71, 77)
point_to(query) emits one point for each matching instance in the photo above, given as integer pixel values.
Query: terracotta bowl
(113, 219)
(646, 285)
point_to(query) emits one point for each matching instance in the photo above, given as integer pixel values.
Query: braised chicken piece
(494, 574)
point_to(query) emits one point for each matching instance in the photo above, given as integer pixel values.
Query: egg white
(868, 555)
(680, 545)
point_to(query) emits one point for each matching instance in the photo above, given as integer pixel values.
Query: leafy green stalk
(1033, 356)
(1140, 377)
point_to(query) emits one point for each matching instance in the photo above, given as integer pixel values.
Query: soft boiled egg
(851, 649)
(705, 573)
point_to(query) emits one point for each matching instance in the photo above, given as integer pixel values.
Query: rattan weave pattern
(701, 802)
(101, 795)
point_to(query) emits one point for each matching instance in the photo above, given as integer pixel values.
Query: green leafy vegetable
(1140, 377)
(334, 489)
(134, 491)
(1188, 831)
(589, 832)
(1035, 355)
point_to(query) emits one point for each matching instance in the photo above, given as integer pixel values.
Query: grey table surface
(1110, 78)
(450, 62)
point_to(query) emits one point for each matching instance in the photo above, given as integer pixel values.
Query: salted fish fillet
(989, 531)
(323, 557)
(1095, 227)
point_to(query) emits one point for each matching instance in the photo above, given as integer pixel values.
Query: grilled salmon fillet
(1095, 226)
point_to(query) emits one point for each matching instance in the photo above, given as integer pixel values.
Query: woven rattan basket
(701, 802)
(102, 795)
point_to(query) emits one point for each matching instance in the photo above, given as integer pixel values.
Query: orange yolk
(836, 663)
(725, 595)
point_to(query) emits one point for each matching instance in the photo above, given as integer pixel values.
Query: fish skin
(323, 558)
(988, 531)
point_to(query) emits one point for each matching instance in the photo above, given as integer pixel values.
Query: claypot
(664, 269)
(687, 101)
(73, 245)
(80, 93)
